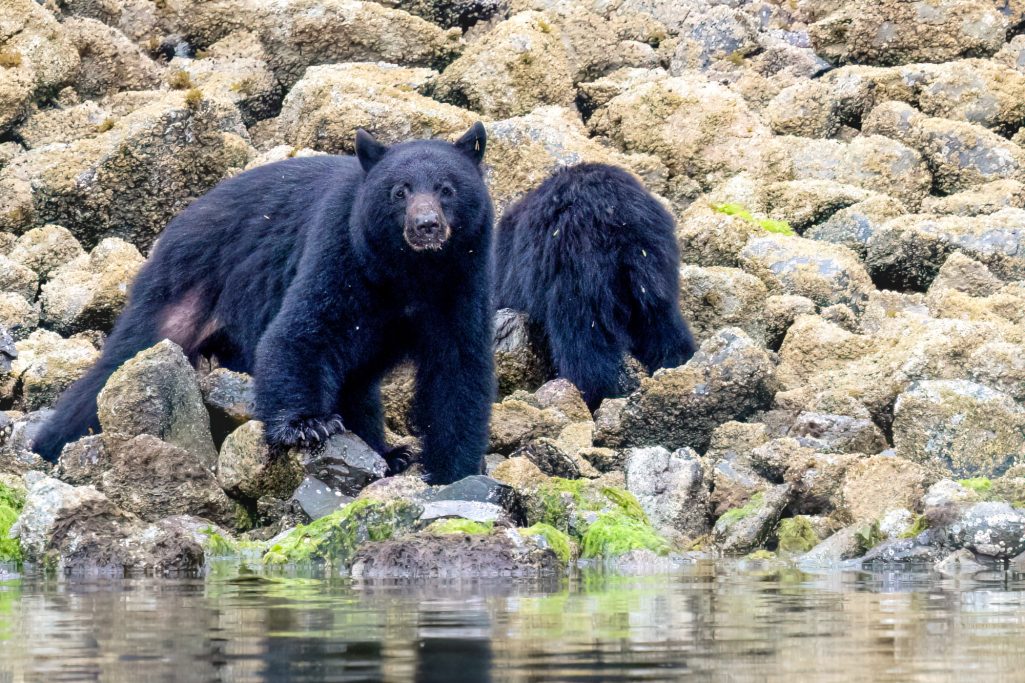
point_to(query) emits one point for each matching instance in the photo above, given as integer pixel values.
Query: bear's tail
(75, 414)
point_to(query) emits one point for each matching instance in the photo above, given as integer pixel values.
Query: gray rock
(8, 352)
(960, 563)
(247, 468)
(156, 393)
(230, 397)
(946, 493)
(902, 550)
(836, 549)
(992, 529)
(522, 359)
(854, 225)
(838, 433)
(316, 499)
(481, 489)
(746, 529)
(549, 458)
(463, 509)
(344, 463)
(671, 489)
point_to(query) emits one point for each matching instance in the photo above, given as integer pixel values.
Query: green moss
(731, 517)
(869, 536)
(193, 97)
(560, 542)
(557, 496)
(105, 125)
(180, 80)
(336, 538)
(981, 485)
(920, 524)
(457, 525)
(11, 503)
(767, 224)
(796, 535)
(761, 554)
(615, 533)
(217, 545)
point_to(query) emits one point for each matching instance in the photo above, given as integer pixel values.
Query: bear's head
(422, 197)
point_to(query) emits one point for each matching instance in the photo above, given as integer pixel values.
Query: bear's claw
(399, 459)
(304, 431)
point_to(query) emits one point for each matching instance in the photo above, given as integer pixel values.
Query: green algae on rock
(559, 541)
(456, 525)
(12, 501)
(616, 533)
(766, 224)
(796, 535)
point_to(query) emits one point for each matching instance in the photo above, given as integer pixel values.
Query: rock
(63, 124)
(729, 378)
(594, 94)
(156, 393)
(825, 274)
(110, 61)
(876, 485)
(899, 32)
(91, 291)
(519, 473)
(397, 395)
(987, 198)
(563, 396)
(247, 468)
(480, 489)
(8, 351)
(743, 530)
(995, 530)
(47, 365)
(45, 249)
(343, 463)
(671, 119)
(897, 523)
(838, 433)
(400, 487)
(106, 185)
(330, 103)
(720, 32)
(947, 493)
(17, 315)
(515, 423)
(521, 66)
(962, 427)
(960, 155)
(18, 279)
(549, 458)
(854, 225)
(522, 359)
(457, 510)
(729, 468)
(901, 551)
(230, 398)
(907, 252)
(458, 13)
(959, 563)
(837, 548)
(714, 298)
(781, 310)
(505, 553)
(671, 489)
(245, 81)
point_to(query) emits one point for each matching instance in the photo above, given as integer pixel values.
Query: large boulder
(110, 61)
(47, 364)
(671, 489)
(45, 249)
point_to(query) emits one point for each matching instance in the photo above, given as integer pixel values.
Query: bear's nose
(427, 222)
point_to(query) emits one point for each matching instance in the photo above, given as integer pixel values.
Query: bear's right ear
(368, 150)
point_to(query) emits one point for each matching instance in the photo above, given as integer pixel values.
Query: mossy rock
(12, 501)
(560, 542)
(457, 525)
(614, 534)
(336, 537)
(796, 535)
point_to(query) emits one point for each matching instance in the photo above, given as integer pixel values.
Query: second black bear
(318, 275)
(591, 256)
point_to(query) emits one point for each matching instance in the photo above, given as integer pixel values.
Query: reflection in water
(714, 621)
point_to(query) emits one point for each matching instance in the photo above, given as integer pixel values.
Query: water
(708, 622)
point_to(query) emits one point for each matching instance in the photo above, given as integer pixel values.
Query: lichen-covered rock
(91, 291)
(18, 279)
(671, 489)
(515, 423)
(900, 32)
(962, 427)
(985, 199)
(230, 397)
(110, 61)
(714, 298)
(522, 360)
(326, 107)
(876, 485)
(838, 433)
(522, 65)
(696, 127)
(242, 78)
(45, 249)
(743, 530)
(960, 155)
(247, 468)
(729, 378)
(990, 528)
(452, 13)
(854, 225)
(47, 365)
(156, 393)
(131, 179)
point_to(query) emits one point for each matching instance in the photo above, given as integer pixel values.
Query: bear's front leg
(455, 389)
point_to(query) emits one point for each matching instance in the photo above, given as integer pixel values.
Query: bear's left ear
(368, 150)
(473, 142)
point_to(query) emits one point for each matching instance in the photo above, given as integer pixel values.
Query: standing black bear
(318, 275)
(591, 256)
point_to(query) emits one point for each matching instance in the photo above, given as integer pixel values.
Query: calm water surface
(710, 621)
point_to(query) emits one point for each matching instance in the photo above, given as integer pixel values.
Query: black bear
(591, 256)
(318, 275)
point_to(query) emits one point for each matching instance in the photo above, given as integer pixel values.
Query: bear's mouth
(425, 226)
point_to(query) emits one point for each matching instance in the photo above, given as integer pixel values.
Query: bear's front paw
(304, 430)
(399, 459)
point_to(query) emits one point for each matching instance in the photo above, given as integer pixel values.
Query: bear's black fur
(591, 256)
(318, 275)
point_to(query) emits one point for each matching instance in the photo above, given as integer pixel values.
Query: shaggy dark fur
(591, 256)
(318, 275)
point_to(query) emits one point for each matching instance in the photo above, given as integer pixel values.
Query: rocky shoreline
(848, 181)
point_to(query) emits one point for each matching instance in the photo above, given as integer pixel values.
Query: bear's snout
(426, 227)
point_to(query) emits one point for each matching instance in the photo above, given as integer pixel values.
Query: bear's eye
(399, 192)
(447, 191)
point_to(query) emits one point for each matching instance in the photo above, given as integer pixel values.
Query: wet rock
(338, 468)
(47, 365)
(156, 393)
(959, 563)
(671, 489)
(670, 118)
(522, 65)
(230, 398)
(505, 553)
(743, 530)
(873, 486)
(247, 468)
(45, 249)
(326, 107)
(825, 274)
(470, 510)
(838, 433)
(897, 32)
(960, 155)
(549, 458)
(992, 529)
(962, 427)
(901, 551)
(110, 61)
(480, 489)
(106, 185)
(729, 378)
(714, 298)
(91, 291)
(18, 279)
(521, 358)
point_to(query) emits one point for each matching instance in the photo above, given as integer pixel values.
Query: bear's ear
(473, 142)
(368, 150)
